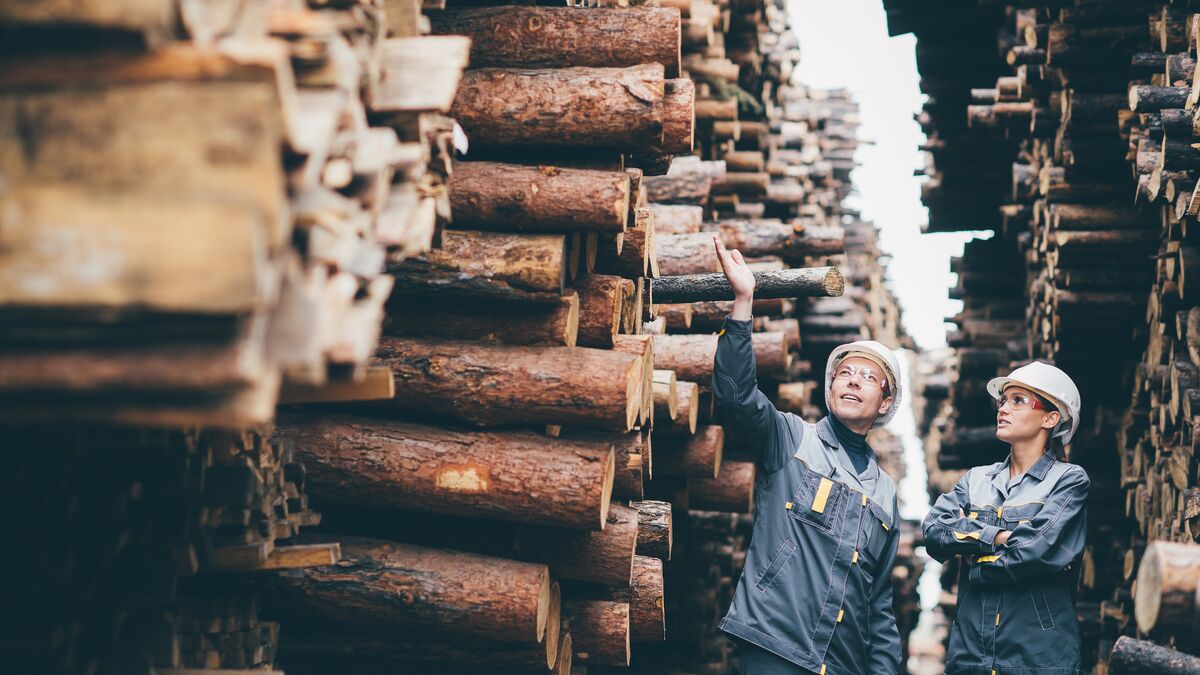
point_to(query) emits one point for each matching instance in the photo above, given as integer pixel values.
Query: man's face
(857, 393)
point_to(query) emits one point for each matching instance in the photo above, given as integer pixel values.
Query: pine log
(647, 615)
(793, 397)
(792, 283)
(488, 265)
(631, 457)
(691, 356)
(665, 396)
(696, 456)
(600, 631)
(679, 118)
(600, 308)
(789, 327)
(756, 238)
(1168, 578)
(641, 346)
(676, 218)
(490, 385)
(678, 317)
(732, 491)
(610, 107)
(1131, 656)
(515, 323)
(382, 584)
(655, 532)
(680, 254)
(690, 186)
(687, 406)
(745, 160)
(711, 109)
(743, 184)
(555, 37)
(632, 259)
(711, 314)
(495, 196)
(504, 476)
(603, 557)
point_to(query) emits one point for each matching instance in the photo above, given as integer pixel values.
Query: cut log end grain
(687, 406)
(665, 395)
(1167, 584)
(601, 308)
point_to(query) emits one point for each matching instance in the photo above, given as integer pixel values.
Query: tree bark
(632, 260)
(602, 557)
(655, 535)
(515, 476)
(515, 323)
(680, 254)
(1167, 581)
(681, 187)
(789, 327)
(696, 456)
(676, 218)
(600, 631)
(496, 196)
(793, 397)
(745, 160)
(610, 107)
(678, 317)
(757, 238)
(1141, 657)
(691, 356)
(631, 458)
(555, 37)
(679, 118)
(488, 265)
(490, 385)
(386, 585)
(732, 491)
(792, 283)
(600, 308)
(647, 615)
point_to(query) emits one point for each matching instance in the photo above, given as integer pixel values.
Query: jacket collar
(829, 438)
(999, 474)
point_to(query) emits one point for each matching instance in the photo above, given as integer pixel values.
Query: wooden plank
(420, 74)
(154, 19)
(286, 557)
(376, 384)
(242, 556)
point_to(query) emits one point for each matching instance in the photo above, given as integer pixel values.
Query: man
(816, 592)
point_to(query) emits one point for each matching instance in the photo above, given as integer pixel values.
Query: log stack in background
(1081, 135)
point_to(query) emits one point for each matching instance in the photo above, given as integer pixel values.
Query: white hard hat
(1054, 385)
(868, 349)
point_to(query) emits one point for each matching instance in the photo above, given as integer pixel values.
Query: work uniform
(1016, 602)
(816, 589)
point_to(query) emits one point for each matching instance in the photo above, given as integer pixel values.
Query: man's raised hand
(740, 278)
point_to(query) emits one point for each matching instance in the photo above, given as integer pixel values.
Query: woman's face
(1021, 416)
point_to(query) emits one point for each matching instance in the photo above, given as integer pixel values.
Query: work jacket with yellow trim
(817, 584)
(1016, 602)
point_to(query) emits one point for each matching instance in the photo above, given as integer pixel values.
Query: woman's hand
(740, 278)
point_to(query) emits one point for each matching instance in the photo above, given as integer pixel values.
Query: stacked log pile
(1091, 109)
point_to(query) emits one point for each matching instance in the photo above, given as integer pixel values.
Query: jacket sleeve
(884, 652)
(949, 532)
(1048, 543)
(741, 405)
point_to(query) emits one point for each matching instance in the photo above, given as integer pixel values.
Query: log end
(835, 285)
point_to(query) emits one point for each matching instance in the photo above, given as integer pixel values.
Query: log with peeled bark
(497, 196)
(665, 397)
(555, 37)
(677, 218)
(680, 254)
(603, 557)
(515, 323)
(383, 584)
(655, 533)
(607, 107)
(600, 631)
(1131, 656)
(756, 238)
(696, 456)
(1168, 581)
(494, 385)
(793, 283)
(647, 609)
(691, 356)
(601, 300)
(732, 491)
(515, 476)
(488, 265)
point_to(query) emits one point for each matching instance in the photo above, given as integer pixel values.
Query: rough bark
(756, 238)
(1131, 656)
(691, 356)
(789, 327)
(497, 385)
(601, 299)
(600, 631)
(792, 283)
(655, 534)
(712, 109)
(631, 458)
(602, 557)
(515, 476)
(676, 218)
(488, 265)
(679, 118)
(697, 456)
(793, 397)
(680, 187)
(678, 317)
(515, 323)
(680, 254)
(732, 491)
(365, 651)
(612, 107)
(1167, 582)
(647, 615)
(496, 196)
(631, 260)
(745, 161)
(555, 37)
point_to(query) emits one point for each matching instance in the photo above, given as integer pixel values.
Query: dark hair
(1054, 444)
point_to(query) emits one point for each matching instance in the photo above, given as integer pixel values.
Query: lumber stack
(1088, 184)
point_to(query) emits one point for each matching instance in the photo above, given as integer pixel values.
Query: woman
(1019, 526)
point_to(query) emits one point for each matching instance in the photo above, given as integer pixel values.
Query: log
(493, 385)
(678, 318)
(515, 323)
(793, 397)
(679, 118)
(711, 109)
(641, 346)
(655, 533)
(732, 491)
(791, 283)
(1167, 583)
(789, 327)
(757, 238)
(386, 585)
(647, 615)
(665, 396)
(694, 456)
(631, 457)
(691, 356)
(743, 184)
(687, 186)
(487, 265)
(676, 218)
(620, 108)
(687, 407)
(555, 37)
(601, 299)
(600, 631)
(632, 259)
(496, 196)
(602, 557)
(745, 160)
(503, 476)
(680, 254)
(1131, 656)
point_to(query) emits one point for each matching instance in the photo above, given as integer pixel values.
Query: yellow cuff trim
(721, 333)
(966, 535)
(988, 558)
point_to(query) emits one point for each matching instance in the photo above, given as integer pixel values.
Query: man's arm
(883, 654)
(948, 532)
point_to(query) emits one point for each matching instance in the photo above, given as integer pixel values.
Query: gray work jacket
(1016, 602)
(817, 584)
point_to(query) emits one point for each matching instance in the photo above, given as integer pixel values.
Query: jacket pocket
(817, 500)
(782, 555)
(1041, 607)
(876, 525)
